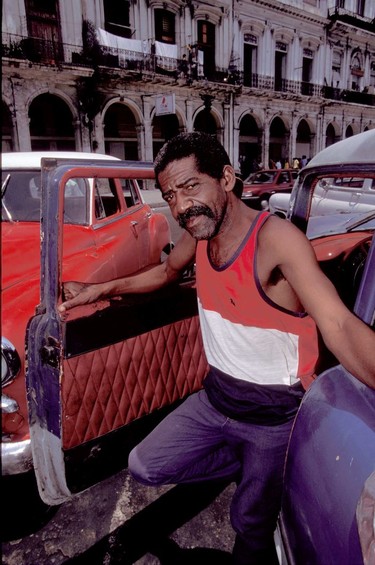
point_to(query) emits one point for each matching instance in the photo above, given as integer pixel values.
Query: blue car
(328, 511)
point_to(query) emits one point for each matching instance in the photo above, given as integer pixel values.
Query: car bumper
(16, 457)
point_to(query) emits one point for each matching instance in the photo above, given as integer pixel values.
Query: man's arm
(78, 294)
(350, 340)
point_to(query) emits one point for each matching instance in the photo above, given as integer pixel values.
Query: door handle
(134, 224)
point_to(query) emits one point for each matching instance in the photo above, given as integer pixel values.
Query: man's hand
(78, 294)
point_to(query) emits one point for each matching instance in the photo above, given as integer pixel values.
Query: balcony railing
(143, 65)
(342, 15)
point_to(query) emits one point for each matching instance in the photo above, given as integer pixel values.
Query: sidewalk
(153, 198)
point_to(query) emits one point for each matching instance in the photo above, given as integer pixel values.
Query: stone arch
(332, 133)
(58, 94)
(120, 130)
(279, 134)
(305, 134)
(52, 123)
(126, 101)
(208, 120)
(355, 125)
(166, 127)
(249, 143)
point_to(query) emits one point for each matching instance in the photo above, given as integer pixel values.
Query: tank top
(250, 342)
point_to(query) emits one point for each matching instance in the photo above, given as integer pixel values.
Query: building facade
(273, 79)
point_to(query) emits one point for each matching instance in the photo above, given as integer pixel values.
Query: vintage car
(259, 186)
(328, 510)
(108, 231)
(332, 196)
(100, 376)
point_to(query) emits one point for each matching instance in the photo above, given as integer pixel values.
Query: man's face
(197, 201)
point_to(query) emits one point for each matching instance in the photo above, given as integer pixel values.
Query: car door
(102, 375)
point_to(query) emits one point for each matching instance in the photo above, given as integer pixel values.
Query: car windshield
(21, 194)
(262, 177)
(343, 194)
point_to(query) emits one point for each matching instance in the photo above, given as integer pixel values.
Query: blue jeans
(196, 442)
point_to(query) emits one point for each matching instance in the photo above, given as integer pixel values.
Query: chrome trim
(8, 405)
(12, 359)
(16, 457)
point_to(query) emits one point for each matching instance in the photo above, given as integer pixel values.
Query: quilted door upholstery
(107, 387)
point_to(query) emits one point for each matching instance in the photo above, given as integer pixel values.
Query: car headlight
(10, 362)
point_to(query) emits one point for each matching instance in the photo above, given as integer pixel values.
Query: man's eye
(168, 197)
(191, 187)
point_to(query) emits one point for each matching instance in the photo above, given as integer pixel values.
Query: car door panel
(102, 369)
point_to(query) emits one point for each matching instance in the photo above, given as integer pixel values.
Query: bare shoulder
(280, 233)
(281, 243)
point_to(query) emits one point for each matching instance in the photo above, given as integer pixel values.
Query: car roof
(359, 148)
(31, 159)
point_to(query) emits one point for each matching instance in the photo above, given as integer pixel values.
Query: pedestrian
(278, 164)
(296, 164)
(303, 161)
(259, 308)
(286, 164)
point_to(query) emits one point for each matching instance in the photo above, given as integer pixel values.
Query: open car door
(99, 379)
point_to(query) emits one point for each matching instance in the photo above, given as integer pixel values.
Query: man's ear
(229, 178)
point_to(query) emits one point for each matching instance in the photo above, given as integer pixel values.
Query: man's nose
(183, 202)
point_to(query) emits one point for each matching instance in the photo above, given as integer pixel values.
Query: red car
(109, 231)
(259, 186)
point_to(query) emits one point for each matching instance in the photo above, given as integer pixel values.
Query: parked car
(328, 509)
(108, 232)
(332, 195)
(100, 376)
(259, 186)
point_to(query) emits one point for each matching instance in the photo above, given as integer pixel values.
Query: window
(250, 59)
(117, 17)
(307, 63)
(336, 69)
(280, 65)
(164, 26)
(361, 7)
(131, 194)
(106, 201)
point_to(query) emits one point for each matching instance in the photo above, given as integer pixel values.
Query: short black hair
(210, 156)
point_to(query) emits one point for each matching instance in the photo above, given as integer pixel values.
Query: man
(259, 305)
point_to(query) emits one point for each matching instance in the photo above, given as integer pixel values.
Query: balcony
(136, 65)
(340, 15)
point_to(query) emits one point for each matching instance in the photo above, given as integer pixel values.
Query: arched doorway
(277, 144)
(163, 128)
(6, 129)
(331, 137)
(303, 140)
(205, 121)
(349, 131)
(250, 149)
(120, 132)
(51, 124)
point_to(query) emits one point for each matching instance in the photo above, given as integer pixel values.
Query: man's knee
(144, 471)
(138, 469)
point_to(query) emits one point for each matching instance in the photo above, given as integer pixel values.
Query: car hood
(20, 252)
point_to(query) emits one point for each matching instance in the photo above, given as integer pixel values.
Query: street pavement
(121, 521)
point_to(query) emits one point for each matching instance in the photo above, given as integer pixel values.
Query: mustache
(194, 211)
